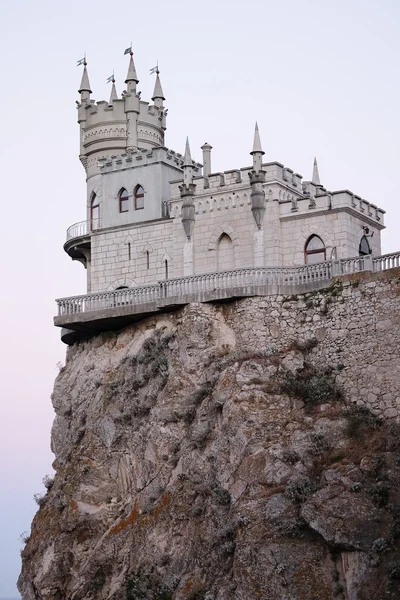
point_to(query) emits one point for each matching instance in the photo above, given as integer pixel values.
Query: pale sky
(320, 76)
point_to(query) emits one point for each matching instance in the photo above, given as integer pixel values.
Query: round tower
(120, 125)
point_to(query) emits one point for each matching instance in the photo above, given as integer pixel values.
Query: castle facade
(154, 214)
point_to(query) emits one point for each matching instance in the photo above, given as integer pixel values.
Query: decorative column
(257, 179)
(131, 107)
(206, 148)
(187, 190)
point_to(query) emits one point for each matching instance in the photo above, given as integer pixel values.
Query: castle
(154, 215)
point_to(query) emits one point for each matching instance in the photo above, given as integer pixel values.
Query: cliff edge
(236, 451)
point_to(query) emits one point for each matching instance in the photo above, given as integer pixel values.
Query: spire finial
(315, 175)
(257, 141)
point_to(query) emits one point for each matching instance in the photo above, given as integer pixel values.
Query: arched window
(166, 268)
(225, 254)
(123, 201)
(139, 197)
(94, 212)
(364, 248)
(314, 251)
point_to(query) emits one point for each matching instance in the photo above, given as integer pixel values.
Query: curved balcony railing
(82, 228)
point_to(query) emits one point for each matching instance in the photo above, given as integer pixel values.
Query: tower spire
(85, 85)
(187, 159)
(257, 141)
(187, 191)
(113, 94)
(257, 179)
(131, 75)
(158, 93)
(315, 175)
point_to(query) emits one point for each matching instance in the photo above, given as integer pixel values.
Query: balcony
(92, 313)
(77, 244)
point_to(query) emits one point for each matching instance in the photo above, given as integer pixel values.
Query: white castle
(154, 215)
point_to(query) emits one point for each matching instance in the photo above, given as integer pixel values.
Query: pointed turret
(257, 179)
(257, 151)
(315, 175)
(131, 77)
(187, 192)
(158, 91)
(85, 85)
(113, 95)
(131, 107)
(187, 159)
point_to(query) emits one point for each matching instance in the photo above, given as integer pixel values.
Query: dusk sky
(320, 76)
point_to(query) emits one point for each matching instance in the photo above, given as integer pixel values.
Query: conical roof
(257, 141)
(315, 175)
(85, 85)
(158, 91)
(131, 76)
(113, 95)
(187, 159)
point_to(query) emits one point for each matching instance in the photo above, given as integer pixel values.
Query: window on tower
(139, 197)
(315, 250)
(94, 212)
(123, 201)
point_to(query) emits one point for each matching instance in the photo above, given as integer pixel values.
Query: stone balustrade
(108, 310)
(82, 228)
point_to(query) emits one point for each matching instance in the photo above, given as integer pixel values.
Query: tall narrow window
(148, 259)
(364, 248)
(166, 269)
(94, 212)
(123, 201)
(129, 251)
(314, 251)
(139, 197)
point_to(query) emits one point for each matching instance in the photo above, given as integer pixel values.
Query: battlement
(143, 157)
(239, 178)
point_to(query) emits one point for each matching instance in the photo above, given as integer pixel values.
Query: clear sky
(321, 78)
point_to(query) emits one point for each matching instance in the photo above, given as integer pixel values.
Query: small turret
(113, 94)
(315, 176)
(84, 89)
(158, 94)
(187, 190)
(257, 178)
(132, 107)
(131, 77)
(257, 152)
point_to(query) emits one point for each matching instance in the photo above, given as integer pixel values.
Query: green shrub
(380, 493)
(300, 488)
(360, 420)
(311, 385)
(222, 495)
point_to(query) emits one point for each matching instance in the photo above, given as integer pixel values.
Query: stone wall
(356, 322)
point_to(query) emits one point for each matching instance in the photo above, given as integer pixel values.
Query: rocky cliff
(239, 451)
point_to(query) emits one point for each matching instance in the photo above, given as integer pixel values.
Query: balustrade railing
(386, 261)
(82, 228)
(263, 279)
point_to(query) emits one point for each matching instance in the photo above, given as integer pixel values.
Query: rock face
(228, 452)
